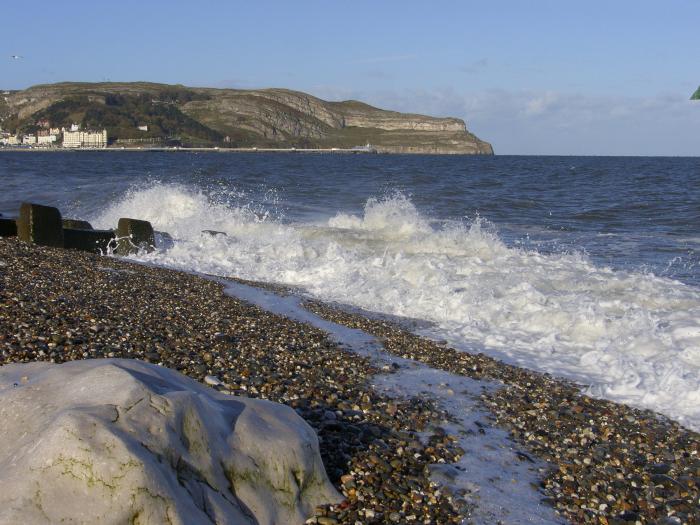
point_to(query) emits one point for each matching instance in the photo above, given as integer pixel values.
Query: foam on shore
(632, 337)
(490, 472)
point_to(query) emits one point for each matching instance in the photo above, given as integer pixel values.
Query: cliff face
(265, 117)
(361, 115)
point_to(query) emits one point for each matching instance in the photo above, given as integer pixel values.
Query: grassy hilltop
(182, 115)
(696, 95)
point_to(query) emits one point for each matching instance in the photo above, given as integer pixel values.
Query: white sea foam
(631, 337)
(491, 473)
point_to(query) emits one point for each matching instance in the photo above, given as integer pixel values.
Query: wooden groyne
(44, 226)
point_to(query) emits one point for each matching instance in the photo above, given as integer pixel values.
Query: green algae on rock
(115, 437)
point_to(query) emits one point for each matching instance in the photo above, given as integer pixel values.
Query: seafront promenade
(344, 151)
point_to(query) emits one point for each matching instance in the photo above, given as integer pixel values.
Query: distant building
(55, 131)
(143, 128)
(46, 140)
(85, 139)
(13, 140)
(74, 127)
(43, 123)
(28, 140)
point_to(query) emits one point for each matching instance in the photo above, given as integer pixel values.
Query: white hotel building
(85, 139)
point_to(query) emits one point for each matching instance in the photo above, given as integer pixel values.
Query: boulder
(40, 224)
(76, 224)
(8, 227)
(95, 241)
(134, 235)
(122, 441)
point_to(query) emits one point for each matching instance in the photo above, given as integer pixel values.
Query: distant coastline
(331, 151)
(149, 115)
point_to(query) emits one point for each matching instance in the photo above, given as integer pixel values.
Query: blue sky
(532, 77)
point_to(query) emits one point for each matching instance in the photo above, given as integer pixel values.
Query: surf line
(490, 475)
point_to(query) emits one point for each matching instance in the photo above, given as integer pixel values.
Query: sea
(587, 268)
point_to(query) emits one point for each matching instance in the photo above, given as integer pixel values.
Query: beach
(435, 264)
(602, 462)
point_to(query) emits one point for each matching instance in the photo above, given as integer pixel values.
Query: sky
(535, 77)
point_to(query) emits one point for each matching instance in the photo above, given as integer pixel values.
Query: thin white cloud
(475, 67)
(557, 123)
(382, 59)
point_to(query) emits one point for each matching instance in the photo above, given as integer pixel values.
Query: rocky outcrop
(122, 441)
(262, 116)
(276, 117)
(358, 114)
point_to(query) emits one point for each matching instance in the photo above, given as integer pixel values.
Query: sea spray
(628, 336)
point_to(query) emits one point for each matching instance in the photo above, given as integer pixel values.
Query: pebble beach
(605, 462)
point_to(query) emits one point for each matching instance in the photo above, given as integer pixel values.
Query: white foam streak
(632, 337)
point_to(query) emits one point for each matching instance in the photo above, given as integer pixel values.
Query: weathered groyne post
(80, 235)
(134, 234)
(76, 224)
(40, 225)
(43, 225)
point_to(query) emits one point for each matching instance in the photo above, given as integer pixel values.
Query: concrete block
(134, 234)
(94, 241)
(8, 227)
(39, 224)
(75, 224)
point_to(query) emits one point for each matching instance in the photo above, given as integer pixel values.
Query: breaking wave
(632, 337)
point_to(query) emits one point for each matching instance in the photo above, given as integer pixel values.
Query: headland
(148, 115)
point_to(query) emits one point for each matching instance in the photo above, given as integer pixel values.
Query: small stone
(347, 478)
(213, 381)
(659, 468)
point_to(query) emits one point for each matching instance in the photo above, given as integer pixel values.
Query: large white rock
(122, 441)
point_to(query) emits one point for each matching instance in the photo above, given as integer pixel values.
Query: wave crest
(633, 337)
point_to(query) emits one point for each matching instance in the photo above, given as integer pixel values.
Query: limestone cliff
(235, 117)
